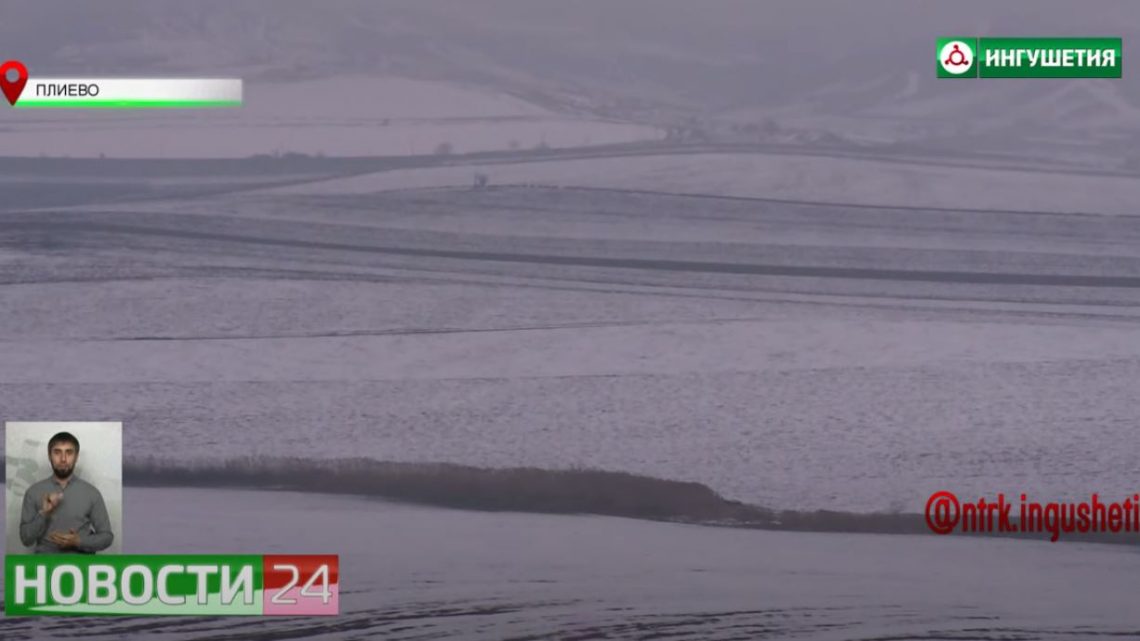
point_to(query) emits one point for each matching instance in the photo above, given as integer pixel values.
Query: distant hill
(849, 71)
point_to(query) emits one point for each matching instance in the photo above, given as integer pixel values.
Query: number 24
(322, 573)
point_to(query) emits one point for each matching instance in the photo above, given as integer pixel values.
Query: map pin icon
(13, 88)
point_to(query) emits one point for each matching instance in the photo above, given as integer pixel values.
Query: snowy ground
(412, 573)
(810, 178)
(794, 356)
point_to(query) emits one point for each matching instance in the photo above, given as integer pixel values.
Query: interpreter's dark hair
(63, 437)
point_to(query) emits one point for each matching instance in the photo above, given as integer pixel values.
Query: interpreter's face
(63, 457)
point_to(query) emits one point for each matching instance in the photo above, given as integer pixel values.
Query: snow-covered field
(876, 357)
(790, 330)
(798, 356)
(413, 573)
(341, 116)
(809, 178)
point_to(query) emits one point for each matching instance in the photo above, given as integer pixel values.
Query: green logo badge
(1030, 57)
(956, 58)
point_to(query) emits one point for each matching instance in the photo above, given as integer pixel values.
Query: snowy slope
(808, 178)
(408, 572)
(865, 71)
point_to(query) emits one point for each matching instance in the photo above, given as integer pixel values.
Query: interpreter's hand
(65, 540)
(50, 501)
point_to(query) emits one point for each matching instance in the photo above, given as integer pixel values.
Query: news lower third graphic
(64, 533)
(24, 91)
(1030, 57)
(176, 585)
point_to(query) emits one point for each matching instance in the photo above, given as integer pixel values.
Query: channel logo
(956, 58)
(1030, 57)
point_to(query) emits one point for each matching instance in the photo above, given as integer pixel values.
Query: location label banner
(25, 91)
(180, 585)
(1030, 57)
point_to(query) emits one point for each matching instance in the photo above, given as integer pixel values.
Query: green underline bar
(125, 104)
